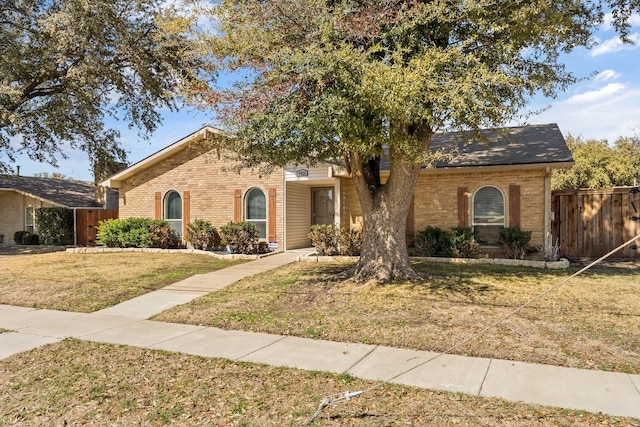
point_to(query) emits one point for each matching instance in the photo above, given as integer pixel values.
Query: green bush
(18, 237)
(329, 240)
(241, 237)
(434, 241)
(55, 226)
(30, 239)
(201, 234)
(136, 233)
(515, 241)
(462, 244)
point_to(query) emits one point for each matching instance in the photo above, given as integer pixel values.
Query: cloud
(595, 95)
(606, 75)
(634, 20)
(614, 44)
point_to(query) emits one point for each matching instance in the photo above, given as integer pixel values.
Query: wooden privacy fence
(591, 223)
(87, 221)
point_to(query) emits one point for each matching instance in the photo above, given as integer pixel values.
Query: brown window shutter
(237, 205)
(410, 231)
(158, 211)
(271, 215)
(463, 207)
(186, 211)
(514, 205)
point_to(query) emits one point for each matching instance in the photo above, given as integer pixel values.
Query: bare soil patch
(592, 322)
(82, 383)
(90, 282)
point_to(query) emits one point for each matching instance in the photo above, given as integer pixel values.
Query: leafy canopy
(67, 65)
(341, 79)
(600, 165)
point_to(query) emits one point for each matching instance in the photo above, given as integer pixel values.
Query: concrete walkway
(595, 391)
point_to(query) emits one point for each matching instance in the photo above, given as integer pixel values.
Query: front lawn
(591, 322)
(90, 282)
(79, 383)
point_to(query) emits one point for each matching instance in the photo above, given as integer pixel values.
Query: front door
(322, 205)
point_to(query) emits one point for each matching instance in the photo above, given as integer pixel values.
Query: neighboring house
(20, 196)
(501, 181)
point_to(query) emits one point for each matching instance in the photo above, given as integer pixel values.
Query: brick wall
(200, 172)
(436, 198)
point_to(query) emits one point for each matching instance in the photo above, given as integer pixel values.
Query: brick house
(502, 180)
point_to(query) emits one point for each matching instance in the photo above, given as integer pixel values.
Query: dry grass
(90, 282)
(80, 383)
(592, 322)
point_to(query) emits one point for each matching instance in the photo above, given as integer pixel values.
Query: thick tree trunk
(384, 255)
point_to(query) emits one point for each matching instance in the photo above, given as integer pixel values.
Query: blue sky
(604, 106)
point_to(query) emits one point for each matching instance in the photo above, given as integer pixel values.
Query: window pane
(256, 205)
(488, 206)
(262, 228)
(173, 206)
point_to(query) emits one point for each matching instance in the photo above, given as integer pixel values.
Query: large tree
(67, 65)
(344, 79)
(599, 164)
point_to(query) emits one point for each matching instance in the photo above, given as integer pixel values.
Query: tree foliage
(346, 80)
(599, 164)
(67, 65)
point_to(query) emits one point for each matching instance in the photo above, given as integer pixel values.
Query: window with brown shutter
(463, 207)
(514, 205)
(271, 215)
(237, 205)
(158, 207)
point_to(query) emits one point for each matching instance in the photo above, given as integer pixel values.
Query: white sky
(604, 106)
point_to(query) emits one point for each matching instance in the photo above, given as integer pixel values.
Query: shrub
(30, 239)
(550, 251)
(434, 241)
(162, 236)
(55, 226)
(325, 239)
(18, 236)
(241, 237)
(350, 242)
(201, 234)
(462, 244)
(515, 241)
(136, 233)
(330, 240)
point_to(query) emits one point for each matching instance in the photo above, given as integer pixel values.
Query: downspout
(547, 206)
(284, 210)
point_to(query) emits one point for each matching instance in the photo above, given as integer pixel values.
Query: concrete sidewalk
(595, 391)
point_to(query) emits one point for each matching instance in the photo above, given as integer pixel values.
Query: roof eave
(551, 165)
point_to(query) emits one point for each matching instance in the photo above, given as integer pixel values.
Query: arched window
(173, 211)
(256, 210)
(488, 215)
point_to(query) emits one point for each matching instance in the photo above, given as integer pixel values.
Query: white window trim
(266, 212)
(473, 208)
(176, 224)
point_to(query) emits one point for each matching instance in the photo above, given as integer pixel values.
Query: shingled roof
(523, 145)
(63, 192)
